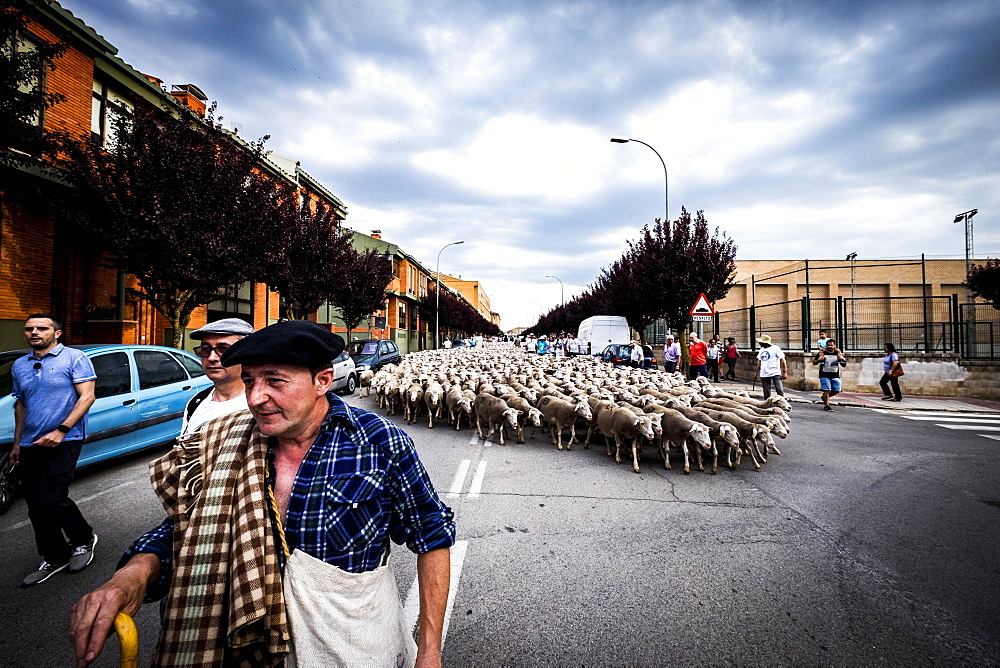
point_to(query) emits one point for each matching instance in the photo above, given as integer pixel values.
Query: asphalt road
(872, 539)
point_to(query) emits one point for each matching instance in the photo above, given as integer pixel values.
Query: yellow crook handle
(128, 640)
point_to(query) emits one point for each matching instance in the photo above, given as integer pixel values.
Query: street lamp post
(437, 295)
(967, 217)
(562, 298)
(666, 182)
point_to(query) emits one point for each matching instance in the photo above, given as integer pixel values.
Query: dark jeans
(731, 367)
(888, 380)
(669, 367)
(765, 384)
(696, 370)
(713, 370)
(45, 477)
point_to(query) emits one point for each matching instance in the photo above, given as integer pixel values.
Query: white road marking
(85, 499)
(477, 481)
(952, 414)
(474, 440)
(970, 427)
(411, 609)
(459, 482)
(993, 436)
(981, 420)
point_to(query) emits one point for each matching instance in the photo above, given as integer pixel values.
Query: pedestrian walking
(283, 517)
(732, 353)
(712, 358)
(698, 352)
(830, 359)
(771, 366)
(892, 370)
(573, 346)
(671, 354)
(54, 388)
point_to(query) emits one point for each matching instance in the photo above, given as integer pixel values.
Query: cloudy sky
(802, 129)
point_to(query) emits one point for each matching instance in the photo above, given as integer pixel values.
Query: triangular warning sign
(701, 307)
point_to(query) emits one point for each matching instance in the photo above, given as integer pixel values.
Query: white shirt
(574, 346)
(636, 353)
(209, 410)
(770, 361)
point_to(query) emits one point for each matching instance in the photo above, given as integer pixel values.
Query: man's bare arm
(93, 615)
(19, 412)
(434, 577)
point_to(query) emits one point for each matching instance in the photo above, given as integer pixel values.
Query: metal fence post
(753, 327)
(956, 326)
(806, 328)
(927, 325)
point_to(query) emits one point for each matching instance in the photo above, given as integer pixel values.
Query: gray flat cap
(223, 327)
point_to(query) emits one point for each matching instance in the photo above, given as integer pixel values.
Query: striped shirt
(360, 485)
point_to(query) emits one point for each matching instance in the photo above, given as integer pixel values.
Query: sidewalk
(856, 400)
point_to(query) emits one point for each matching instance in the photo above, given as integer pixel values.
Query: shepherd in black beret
(296, 342)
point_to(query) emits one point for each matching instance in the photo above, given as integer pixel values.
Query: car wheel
(8, 482)
(352, 384)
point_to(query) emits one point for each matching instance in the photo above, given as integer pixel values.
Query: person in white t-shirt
(771, 366)
(227, 393)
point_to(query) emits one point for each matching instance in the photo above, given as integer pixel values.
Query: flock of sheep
(499, 386)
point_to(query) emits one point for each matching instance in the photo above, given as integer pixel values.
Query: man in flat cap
(226, 395)
(282, 522)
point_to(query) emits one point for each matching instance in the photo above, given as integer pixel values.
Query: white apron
(336, 618)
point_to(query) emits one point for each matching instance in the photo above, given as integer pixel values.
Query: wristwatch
(64, 429)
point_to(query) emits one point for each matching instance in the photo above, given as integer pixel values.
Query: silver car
(345, 377)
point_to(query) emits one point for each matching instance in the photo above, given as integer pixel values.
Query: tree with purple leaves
(309, 266)
(181, 204)
(361, 287)
(984, 281)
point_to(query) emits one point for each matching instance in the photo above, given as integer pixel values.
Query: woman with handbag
(893, 370)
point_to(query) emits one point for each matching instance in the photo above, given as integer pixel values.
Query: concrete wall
(929, 374)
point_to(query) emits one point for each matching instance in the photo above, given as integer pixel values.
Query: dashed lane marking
(459, 481)
(477, 481)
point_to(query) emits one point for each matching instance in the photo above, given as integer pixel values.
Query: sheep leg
(479, 426)
(590, 432)
(752, 451)
(572, 434)
(502, 428)
(697, 458)
(635, 454)
(687, 461)
(618, 449)
(607, 443)
(520, 434)
(715, 459)
(666, 453)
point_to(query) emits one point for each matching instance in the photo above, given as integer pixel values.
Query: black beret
(297, 342)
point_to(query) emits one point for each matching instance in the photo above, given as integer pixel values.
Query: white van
(600, 330)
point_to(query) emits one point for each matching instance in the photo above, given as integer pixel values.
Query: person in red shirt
(698, 352)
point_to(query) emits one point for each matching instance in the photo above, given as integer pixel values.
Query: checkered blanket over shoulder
(225, 603)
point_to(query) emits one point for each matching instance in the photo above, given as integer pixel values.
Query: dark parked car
(141, 393)
(373, 354)
(620, 354)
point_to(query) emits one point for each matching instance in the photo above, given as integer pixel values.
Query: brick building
(41, 265)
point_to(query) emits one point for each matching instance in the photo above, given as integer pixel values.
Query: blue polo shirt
(48, 392)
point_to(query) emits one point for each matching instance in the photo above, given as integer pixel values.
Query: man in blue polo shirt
(54, 389)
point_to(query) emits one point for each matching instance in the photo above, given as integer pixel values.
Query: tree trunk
(179, 321)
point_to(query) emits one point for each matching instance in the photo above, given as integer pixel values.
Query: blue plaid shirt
(360, 485)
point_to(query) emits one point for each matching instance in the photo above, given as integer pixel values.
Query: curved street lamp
(437, 294)
(666, 184)
(562, 299)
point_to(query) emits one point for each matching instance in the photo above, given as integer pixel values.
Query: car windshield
(362, 348)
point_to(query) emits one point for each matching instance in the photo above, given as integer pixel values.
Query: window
(235, 302)
(157, 368)
(114, 374)
(401, 321)
(34, 79)
(108, 109)
(385, 348)
(193, 366)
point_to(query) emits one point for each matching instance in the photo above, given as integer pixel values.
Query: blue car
(141, 393)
